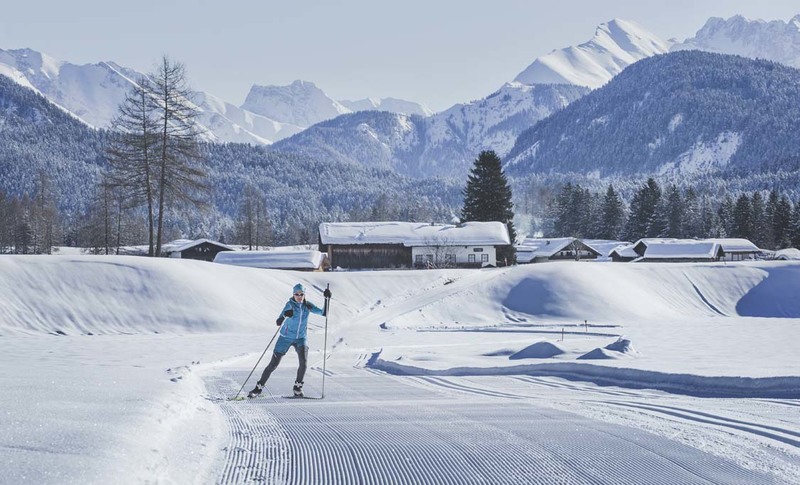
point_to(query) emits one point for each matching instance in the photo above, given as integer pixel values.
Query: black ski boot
(298, 389)
(256, 391)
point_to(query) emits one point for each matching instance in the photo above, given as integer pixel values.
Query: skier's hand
(288, 313)
(279, 321)
(326, 293)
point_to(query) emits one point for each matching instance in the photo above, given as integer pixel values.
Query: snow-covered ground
(116, 369)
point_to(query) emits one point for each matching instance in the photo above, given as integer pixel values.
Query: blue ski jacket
(294, 327)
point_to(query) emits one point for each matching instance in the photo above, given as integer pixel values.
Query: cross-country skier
(293, 321)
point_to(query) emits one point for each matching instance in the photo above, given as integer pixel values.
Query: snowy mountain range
(413, 140)
(616, 44)
(92, 93)
(446, 143)
(776, 40)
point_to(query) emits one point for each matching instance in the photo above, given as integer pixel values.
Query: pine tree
(487, 197)
(758, 226)
(742, 218)
(673, 213)
(710, 225)
(725, 216)
(692, 217)
(643, 209)
(771, 209)
(781, 223)
(611, 215)
(561, 212)
(794, 226)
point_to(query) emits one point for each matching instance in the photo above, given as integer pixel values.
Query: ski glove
(279, 321)
(288, 313)
(326, 293)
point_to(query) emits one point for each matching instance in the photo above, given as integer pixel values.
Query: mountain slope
(442, 145)
(615, 45)
(36, 136)
(690, 112)
(776, 40)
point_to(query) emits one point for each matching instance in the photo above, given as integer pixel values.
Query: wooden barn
(383, 245)
(202, 249)
(738, 249)
(678, 250)
(539, 250)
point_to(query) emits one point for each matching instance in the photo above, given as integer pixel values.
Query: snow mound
(614, 350)
(622, 345)
(600, 354)
(539, 350)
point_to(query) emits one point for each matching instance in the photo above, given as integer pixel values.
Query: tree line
(770, 220)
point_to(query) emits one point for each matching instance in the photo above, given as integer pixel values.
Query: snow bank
(783, 387)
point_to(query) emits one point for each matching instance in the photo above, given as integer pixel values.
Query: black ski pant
(302, 357)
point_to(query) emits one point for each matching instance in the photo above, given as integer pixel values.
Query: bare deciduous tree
(132, 153)
(154, 152)
(180, 178)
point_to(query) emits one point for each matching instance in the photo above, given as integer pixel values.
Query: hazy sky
(434, 52)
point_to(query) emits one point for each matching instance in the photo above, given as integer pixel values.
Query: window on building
(484, 258)
(471, 258)
(450, 258)
(477, 250)
(418, 259)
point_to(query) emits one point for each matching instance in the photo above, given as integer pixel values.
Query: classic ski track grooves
(374, 428)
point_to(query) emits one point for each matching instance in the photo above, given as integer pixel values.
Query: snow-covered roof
(681, 249)
(788, 254)
(415, 233)
(542, 247)
(624, 251)
(272, 259)
(735, 245)
(179, 245)
(605, 246)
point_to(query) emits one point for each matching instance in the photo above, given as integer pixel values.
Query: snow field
(101, 376)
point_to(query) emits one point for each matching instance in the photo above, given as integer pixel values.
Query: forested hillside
(686, 112)
(38, 141)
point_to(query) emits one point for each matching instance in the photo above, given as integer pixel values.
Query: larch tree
(131, 154)
(180, 177)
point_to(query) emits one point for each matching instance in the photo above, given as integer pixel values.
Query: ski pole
(325, 345)
(254, 367)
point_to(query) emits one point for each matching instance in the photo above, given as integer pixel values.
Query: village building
(678, 250)
(737, 249)
(539, 250)
(623, 253)
(788, 254)
(285, 260)
(373, 245)
(201, 249)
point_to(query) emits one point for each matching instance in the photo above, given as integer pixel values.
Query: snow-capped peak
(615, 45)
(392, 105)
(775, 40)
(301, 103)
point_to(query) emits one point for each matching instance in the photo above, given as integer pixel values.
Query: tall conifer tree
(487, 197)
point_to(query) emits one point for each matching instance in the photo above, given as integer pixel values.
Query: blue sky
(435, 52)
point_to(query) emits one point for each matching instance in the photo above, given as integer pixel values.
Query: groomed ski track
(373, 428)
